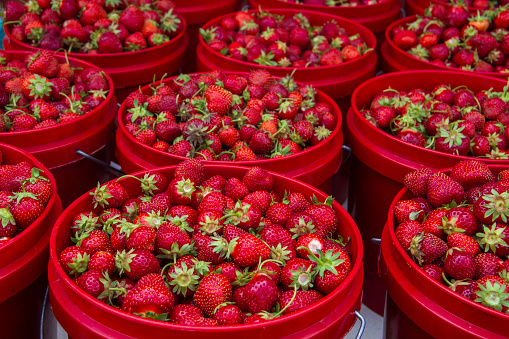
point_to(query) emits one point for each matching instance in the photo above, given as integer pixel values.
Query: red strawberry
(417, 181)
(408, 210)
(74, 260)
(487, 264)
(332, 266)
(493, 292)
(212, 291)
(219, 100)
(136, 263)
(25, 209)
(406, 231)
(191, 169)
(261, 294)
(459, 219)
(248, 250)
(151, 300)
(426, 248)
(257, 179)
(132, 18)
(228, 315)
(90, 283)
(301, 300)
(103, 262)
(472, 173)
(94, 241)
(110, 194)
(109, 42)
(459, 264)
(463, 242)
(434, 272)
(443, 190)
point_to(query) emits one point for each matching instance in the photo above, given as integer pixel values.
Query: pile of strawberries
(269, 39)
(206, 252)
(333, 3)
(24, 194)
(456, 228)
(41, 92)
(480, 4)
(451, 120)
(215, 116)
(95, 26)
(450, 36)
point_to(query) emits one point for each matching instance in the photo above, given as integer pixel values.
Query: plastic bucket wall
(416, 7)
(130, 69)
(314, 166)
(196, 13)
(336, 81)
(423, 308)
(24, 259)
(395, 59)
(381, 161)
(85, 317)
(56, 147)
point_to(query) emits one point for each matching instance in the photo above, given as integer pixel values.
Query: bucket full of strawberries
(331, 53)
(52, 107)
(130, 42)
(446, 264)
(253, 119)
(375, 15)
(449, 38)
(434, 119)
(29, 206)
(210, 250)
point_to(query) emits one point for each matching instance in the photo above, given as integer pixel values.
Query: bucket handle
(363, 325)
(348, 152)
(116, 169)
(376, 241)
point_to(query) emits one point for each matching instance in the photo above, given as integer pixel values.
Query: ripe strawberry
(301, 300)
(494, 239)
(493, 292)
(487, 264)
(406, 231)
(463, 242)
(94, 241)
(408, 210)
(459, 219)
(136, 263)
(443, 190)
(309, 243)
(426, 248)
(132, 18)
(25, 208)
(459, 264)
(324, 215)
(74, 260)
(332, 266)
(212, 291)
(90, 282)
(191, 169)
(472, 173)
(219, 100)
(151, 300)
(417, 181)
(261, 294)
(110, 194)
(257, 179)
(434, 272)
(103, 262)
(228, 315)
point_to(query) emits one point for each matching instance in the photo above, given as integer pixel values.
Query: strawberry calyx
(239, 213)
(170, 22)
(86, 223)
(266, 59)
(112, 289)
(449, 225)
(177, 251)
(180, 222)
(419, 52)
(182, 279)
(6, 217)
(302, 279)
(211, 225)
(492, 237)
(327, 261)
(123, 259)
(39, 87)
(101, 195)
(492, 295)
(415, 247)
(302, 227)
(280, 253)
(147, 183)
(139, 111)
(497, 204)
(21, 195)
(153, 315)
(108, 225)
(79, 264)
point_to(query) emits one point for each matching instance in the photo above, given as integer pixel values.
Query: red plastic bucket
(375, 17)
(56, 147)
(130, 69)
(416, 7)
(337, 81)
(394, 59)
(421, 307)
(197, 13)
(23, 264)
(315, 165)
(381, 161)
(85, 317)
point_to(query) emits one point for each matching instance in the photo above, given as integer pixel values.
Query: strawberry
(494, 238)
(219, 100)
(332, 267)
(94, 241)
(90, 282)
(109, 42)
(426, 248)
(132, 18)
(459, 219)
(247, 250)
(212, 291)
(471, 173)
(408, 210)
(492, 292)
(256, 179)
(459, 264)
(261, 294)
(487, 264)
(417, 181)
(443, 190)
(463, 242)
(325, 215)
(406, 231)
(228, 315)
(136, 263)
(302, 299)
(150, 300)
(111, 194)
(74, 260)
(103, 262)
(309, 243)
(25, 208)
(191, 169)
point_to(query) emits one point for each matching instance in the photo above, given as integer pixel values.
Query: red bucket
(394, 59)
(315, 165)
(83, 316)
(56, 147)
(197, 13)
(128, 70)
(381, 161)
(375, 17)
(23, 265)
(337, 81)
(420, 307)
